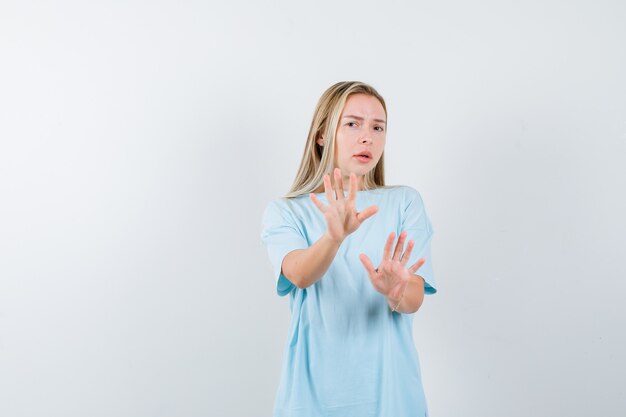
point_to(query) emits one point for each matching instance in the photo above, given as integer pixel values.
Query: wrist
(394, 303)
(331, 239)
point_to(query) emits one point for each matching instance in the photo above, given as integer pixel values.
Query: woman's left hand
(392, 276)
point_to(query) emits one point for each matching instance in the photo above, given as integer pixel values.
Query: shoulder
(406, 193)
(285, 208)
(411, 194)
(408, 190)
(287, 203)
(412, 201)
(274, 209)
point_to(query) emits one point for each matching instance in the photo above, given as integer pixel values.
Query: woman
(330, 240)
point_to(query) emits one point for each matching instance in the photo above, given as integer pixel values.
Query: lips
(364, 153)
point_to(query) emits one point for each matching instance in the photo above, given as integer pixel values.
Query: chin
(361, 171)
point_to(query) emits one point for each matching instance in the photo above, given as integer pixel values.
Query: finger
(407, 254)
(367, 213)
(328, 189)
(388, 244)
(369, 267)
(317, 203)
(399, 246)
(352, 187)
(338, 184)
(417, 265)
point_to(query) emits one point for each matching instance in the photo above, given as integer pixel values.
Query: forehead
(363, 105)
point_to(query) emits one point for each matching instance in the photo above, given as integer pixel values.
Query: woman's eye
(351, 123)
(380, 129)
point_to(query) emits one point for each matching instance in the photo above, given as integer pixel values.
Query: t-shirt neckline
(345, 192)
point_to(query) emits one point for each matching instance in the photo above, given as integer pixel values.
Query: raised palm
(340, 214)
(392, 276)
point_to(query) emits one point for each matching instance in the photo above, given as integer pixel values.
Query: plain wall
(140, 142)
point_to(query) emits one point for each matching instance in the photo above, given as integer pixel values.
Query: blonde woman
(353, 288)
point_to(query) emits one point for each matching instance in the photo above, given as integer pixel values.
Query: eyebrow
(360, 118)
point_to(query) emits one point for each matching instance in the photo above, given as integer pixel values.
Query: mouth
(362, 157)
(365, 154)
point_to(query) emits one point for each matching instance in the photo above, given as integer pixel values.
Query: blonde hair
(317, 160)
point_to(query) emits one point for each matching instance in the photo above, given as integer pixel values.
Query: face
(362, 129)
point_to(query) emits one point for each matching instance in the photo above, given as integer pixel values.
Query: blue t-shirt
(347, 353)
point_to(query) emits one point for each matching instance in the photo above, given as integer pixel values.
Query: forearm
(412, 299)
(303, 267)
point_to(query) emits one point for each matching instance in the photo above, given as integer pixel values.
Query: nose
(365, 138)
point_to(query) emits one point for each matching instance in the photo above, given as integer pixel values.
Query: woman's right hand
(340, 214)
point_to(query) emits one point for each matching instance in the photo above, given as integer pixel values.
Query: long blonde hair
(317, 160)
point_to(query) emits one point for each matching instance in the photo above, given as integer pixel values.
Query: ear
(320, 141)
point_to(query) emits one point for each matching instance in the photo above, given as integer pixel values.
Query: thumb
(367, 213)
(317, 202)
(369, 267)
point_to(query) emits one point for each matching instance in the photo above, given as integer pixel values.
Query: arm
(401, 286)
(303, 267)
(417, 224)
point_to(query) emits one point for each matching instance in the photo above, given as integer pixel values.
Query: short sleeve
(416, 223)
(280, 235)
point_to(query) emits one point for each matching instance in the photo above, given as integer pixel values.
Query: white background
(140, 142)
